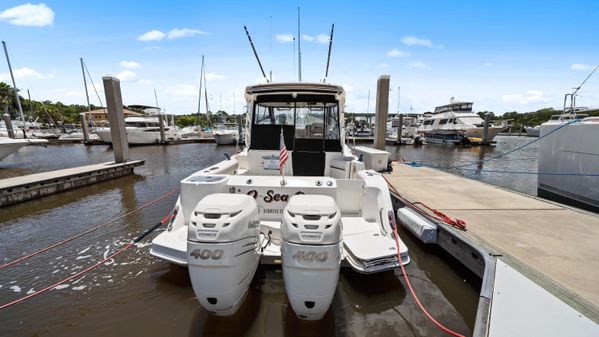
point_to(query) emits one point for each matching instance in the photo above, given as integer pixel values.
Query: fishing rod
(326, 74)
(256, 54)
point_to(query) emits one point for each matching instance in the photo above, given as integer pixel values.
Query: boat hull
(570, 157)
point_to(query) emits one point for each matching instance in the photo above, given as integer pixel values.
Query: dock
(28, 187)
(552, 245)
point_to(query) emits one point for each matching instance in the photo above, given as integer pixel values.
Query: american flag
(283, 154)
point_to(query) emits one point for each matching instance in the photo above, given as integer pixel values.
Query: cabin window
(443, 122)
(332, 117)
(309, 121)
(274, 114)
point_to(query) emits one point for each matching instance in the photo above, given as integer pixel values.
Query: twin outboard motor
(223, 250)
(311, 252)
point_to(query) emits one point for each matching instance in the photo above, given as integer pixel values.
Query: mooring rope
(94, 266)
(28, 256)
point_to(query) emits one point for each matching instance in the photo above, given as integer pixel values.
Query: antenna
(256, 54)
(326, 74)
(573, 94)
(299, 46)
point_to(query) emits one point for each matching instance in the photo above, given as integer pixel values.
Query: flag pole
(282, 167)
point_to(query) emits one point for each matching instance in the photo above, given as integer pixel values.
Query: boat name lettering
(272, 196)
(206, 254)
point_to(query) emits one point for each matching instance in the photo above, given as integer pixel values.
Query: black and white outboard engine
(223, 250)
(311, 252)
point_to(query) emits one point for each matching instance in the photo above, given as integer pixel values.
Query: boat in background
(533, 131)
(142, 131)
(409, 133)
(455, 123)
(8, 145)
(226, 134)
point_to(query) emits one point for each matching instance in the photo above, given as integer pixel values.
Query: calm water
(135, 294)
(446, 156)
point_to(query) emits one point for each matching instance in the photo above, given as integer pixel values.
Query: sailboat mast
(200, 93)
(85, 84)
(14, 84)
(299, 46)
(206, 98)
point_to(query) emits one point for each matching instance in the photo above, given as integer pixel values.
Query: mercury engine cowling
(311, 253)
(223, 250)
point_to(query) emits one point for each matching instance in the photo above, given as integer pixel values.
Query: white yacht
(226, 134)
(9, 145)
(569, 157)
(327, 210)
(142, 130)
(456, 123)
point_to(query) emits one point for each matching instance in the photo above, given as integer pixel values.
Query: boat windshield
(312, 120)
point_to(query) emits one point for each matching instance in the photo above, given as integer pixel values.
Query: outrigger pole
(326, 74)
(256, 54)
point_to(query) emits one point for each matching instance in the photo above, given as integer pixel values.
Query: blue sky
(502, 55)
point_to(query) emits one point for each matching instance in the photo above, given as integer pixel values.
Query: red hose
(86, 232)
(412, 290)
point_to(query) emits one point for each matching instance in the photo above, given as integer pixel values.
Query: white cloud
(153, 35)
(323, 38)
(579, 66)
(348, 88)
(214, 77)
(397, 53)
(418, 65)
(320, 38)
(414, 41)
(182, 90)
(22, 73)
(152, 48)
(143, 81)
(29, 15)
(383, 65)
(126, 75)
(130, 65)
(308, 38)
(284, 38)
(488, 64)
(177, 33)
(530, 96)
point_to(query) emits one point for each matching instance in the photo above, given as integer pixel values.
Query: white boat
(533, 131)
(329, 210)
(226, 134)
(456, 123)
(9, 145)
(77, 136)
(569, 157)
(409, 133)
(142, 130)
